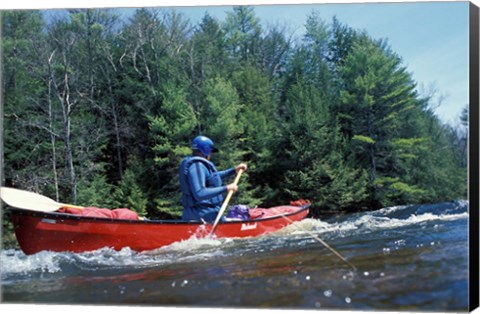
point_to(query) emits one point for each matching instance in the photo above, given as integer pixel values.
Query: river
(408, 258)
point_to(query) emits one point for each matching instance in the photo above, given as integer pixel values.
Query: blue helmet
(204, 145)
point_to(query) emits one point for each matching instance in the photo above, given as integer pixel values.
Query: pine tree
(243, 35)
(258, 120)
(128, 194)
(171, 132)
(377, 98)
(312, 149)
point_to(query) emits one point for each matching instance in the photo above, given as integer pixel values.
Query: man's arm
(197, 174)
(229, 172)
(226, 173)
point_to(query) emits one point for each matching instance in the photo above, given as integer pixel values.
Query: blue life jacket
(196, 208)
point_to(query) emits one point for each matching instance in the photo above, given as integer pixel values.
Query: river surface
(408, 258)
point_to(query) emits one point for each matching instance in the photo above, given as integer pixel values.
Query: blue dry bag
(241, 212)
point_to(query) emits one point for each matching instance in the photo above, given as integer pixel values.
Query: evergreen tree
(128, 194)
(258, 120)
(340, 43)
(314, 167)
(171, 132)
(96, 192)
(208, 44)
(376, 101)
(316, 52)
(243, 34)
(207, 59)
(274, 51)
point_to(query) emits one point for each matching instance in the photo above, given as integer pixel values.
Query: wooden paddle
(32, 201)
(225, 203)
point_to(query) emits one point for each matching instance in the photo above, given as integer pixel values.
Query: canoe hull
(39, 231)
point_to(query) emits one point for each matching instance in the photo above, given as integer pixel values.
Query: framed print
(262, 155)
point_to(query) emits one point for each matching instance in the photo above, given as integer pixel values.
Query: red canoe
(54, 231)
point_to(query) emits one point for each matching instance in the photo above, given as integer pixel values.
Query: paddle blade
(28, 200)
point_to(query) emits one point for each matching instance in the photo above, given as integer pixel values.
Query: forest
(100, 109)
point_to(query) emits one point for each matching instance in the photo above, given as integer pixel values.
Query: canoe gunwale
(66, 216)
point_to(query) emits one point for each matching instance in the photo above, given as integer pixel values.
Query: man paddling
(202, 184)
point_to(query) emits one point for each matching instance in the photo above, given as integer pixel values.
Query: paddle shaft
(70, 206)
(225, 203)
(319, 240)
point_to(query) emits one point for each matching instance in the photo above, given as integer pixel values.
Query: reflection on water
(408, 258)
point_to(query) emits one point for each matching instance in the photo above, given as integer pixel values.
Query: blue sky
(431, 37)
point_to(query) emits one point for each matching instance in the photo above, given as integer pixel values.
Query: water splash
(16, 263)
(383, 219)
(194, 244)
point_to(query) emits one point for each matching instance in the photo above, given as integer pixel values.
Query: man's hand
(241, 166)
(232, 187)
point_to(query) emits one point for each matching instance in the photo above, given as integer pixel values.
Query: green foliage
(128, 194)
(394, 191)
(222, 108)
(168, 208)
(242, 33)
(363, 139)
(7, 232)
(102, 111)
(96, 192)
(174, 124)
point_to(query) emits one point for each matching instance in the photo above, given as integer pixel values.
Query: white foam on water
(182, 251)
(370, 221)
(390, 210)
(462, 204)
(16, 262)
(308, 224)
(195, 244)
(190, 250)
(376, 223)
(110, 258)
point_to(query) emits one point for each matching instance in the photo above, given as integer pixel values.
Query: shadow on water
(408, 258)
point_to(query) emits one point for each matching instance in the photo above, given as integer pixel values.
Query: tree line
(99, 110)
